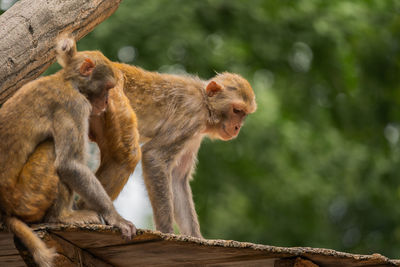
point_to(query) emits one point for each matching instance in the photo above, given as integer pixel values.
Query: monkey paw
(128, 229)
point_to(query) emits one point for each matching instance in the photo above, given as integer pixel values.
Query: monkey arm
(70, 141)
(117, 136)
(70, 148)
(78, 177)
(184, 210)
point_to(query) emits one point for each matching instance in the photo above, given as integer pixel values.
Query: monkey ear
(213, 88)
(87, 67)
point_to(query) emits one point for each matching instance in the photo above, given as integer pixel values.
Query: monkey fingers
(128, 229)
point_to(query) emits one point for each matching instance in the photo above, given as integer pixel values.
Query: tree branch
(28, 31)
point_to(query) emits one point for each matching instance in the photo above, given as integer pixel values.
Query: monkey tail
(42, 255)
(65, 50)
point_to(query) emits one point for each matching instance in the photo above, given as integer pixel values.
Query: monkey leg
(115, 131)
(36, 186)
(33, 193)
(79, 217)
(61, 211)
(40, 196)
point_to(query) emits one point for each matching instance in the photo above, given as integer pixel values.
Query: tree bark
(28, 31)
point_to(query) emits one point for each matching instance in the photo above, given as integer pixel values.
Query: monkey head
(100, 79)
(88, 71)
(230, 99)
(93, 75)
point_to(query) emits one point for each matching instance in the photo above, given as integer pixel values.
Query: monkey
(46, 121)
(174, 114)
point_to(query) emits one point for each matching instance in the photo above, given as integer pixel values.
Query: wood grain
(28, 31)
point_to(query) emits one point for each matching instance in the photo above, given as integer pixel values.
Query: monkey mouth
(226, 132)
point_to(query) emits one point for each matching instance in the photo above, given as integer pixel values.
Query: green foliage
(318, 164)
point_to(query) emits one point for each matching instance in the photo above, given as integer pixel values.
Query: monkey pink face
(99, 79)
(232, 99)
(230, 127)
(100, 102)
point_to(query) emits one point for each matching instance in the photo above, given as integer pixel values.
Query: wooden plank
(94, 236)
(100, 245)
(338, 259)
(88, 239)
(146, 246)
(75, 255)
(68, 255)
(7, 246)
(173, 253)
(9, 255)
(12, 261)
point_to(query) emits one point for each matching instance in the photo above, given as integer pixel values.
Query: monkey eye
(236, 111)
(240, 113)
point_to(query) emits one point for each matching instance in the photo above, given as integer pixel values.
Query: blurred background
(318, 164)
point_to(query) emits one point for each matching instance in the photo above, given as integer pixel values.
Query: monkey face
(232, 99)
(97, 78)
(102, 80)
(231, 121)
(230, 127)
(99, 103)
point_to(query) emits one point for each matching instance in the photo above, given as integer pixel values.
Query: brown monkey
(174, 113)
(55, 108)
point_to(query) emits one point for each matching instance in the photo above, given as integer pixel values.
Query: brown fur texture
(174, 114)
(116, 133)
(55, 108)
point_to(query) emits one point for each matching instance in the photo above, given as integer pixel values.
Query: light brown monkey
(55, 108)
(174, 114)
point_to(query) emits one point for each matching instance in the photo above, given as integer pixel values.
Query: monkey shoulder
(43, 98)
(63, 97)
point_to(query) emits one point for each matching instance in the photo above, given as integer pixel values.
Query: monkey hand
(127, 228)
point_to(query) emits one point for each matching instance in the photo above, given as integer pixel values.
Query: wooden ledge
(102, 245)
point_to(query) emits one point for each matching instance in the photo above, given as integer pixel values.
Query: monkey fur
(54, 108)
